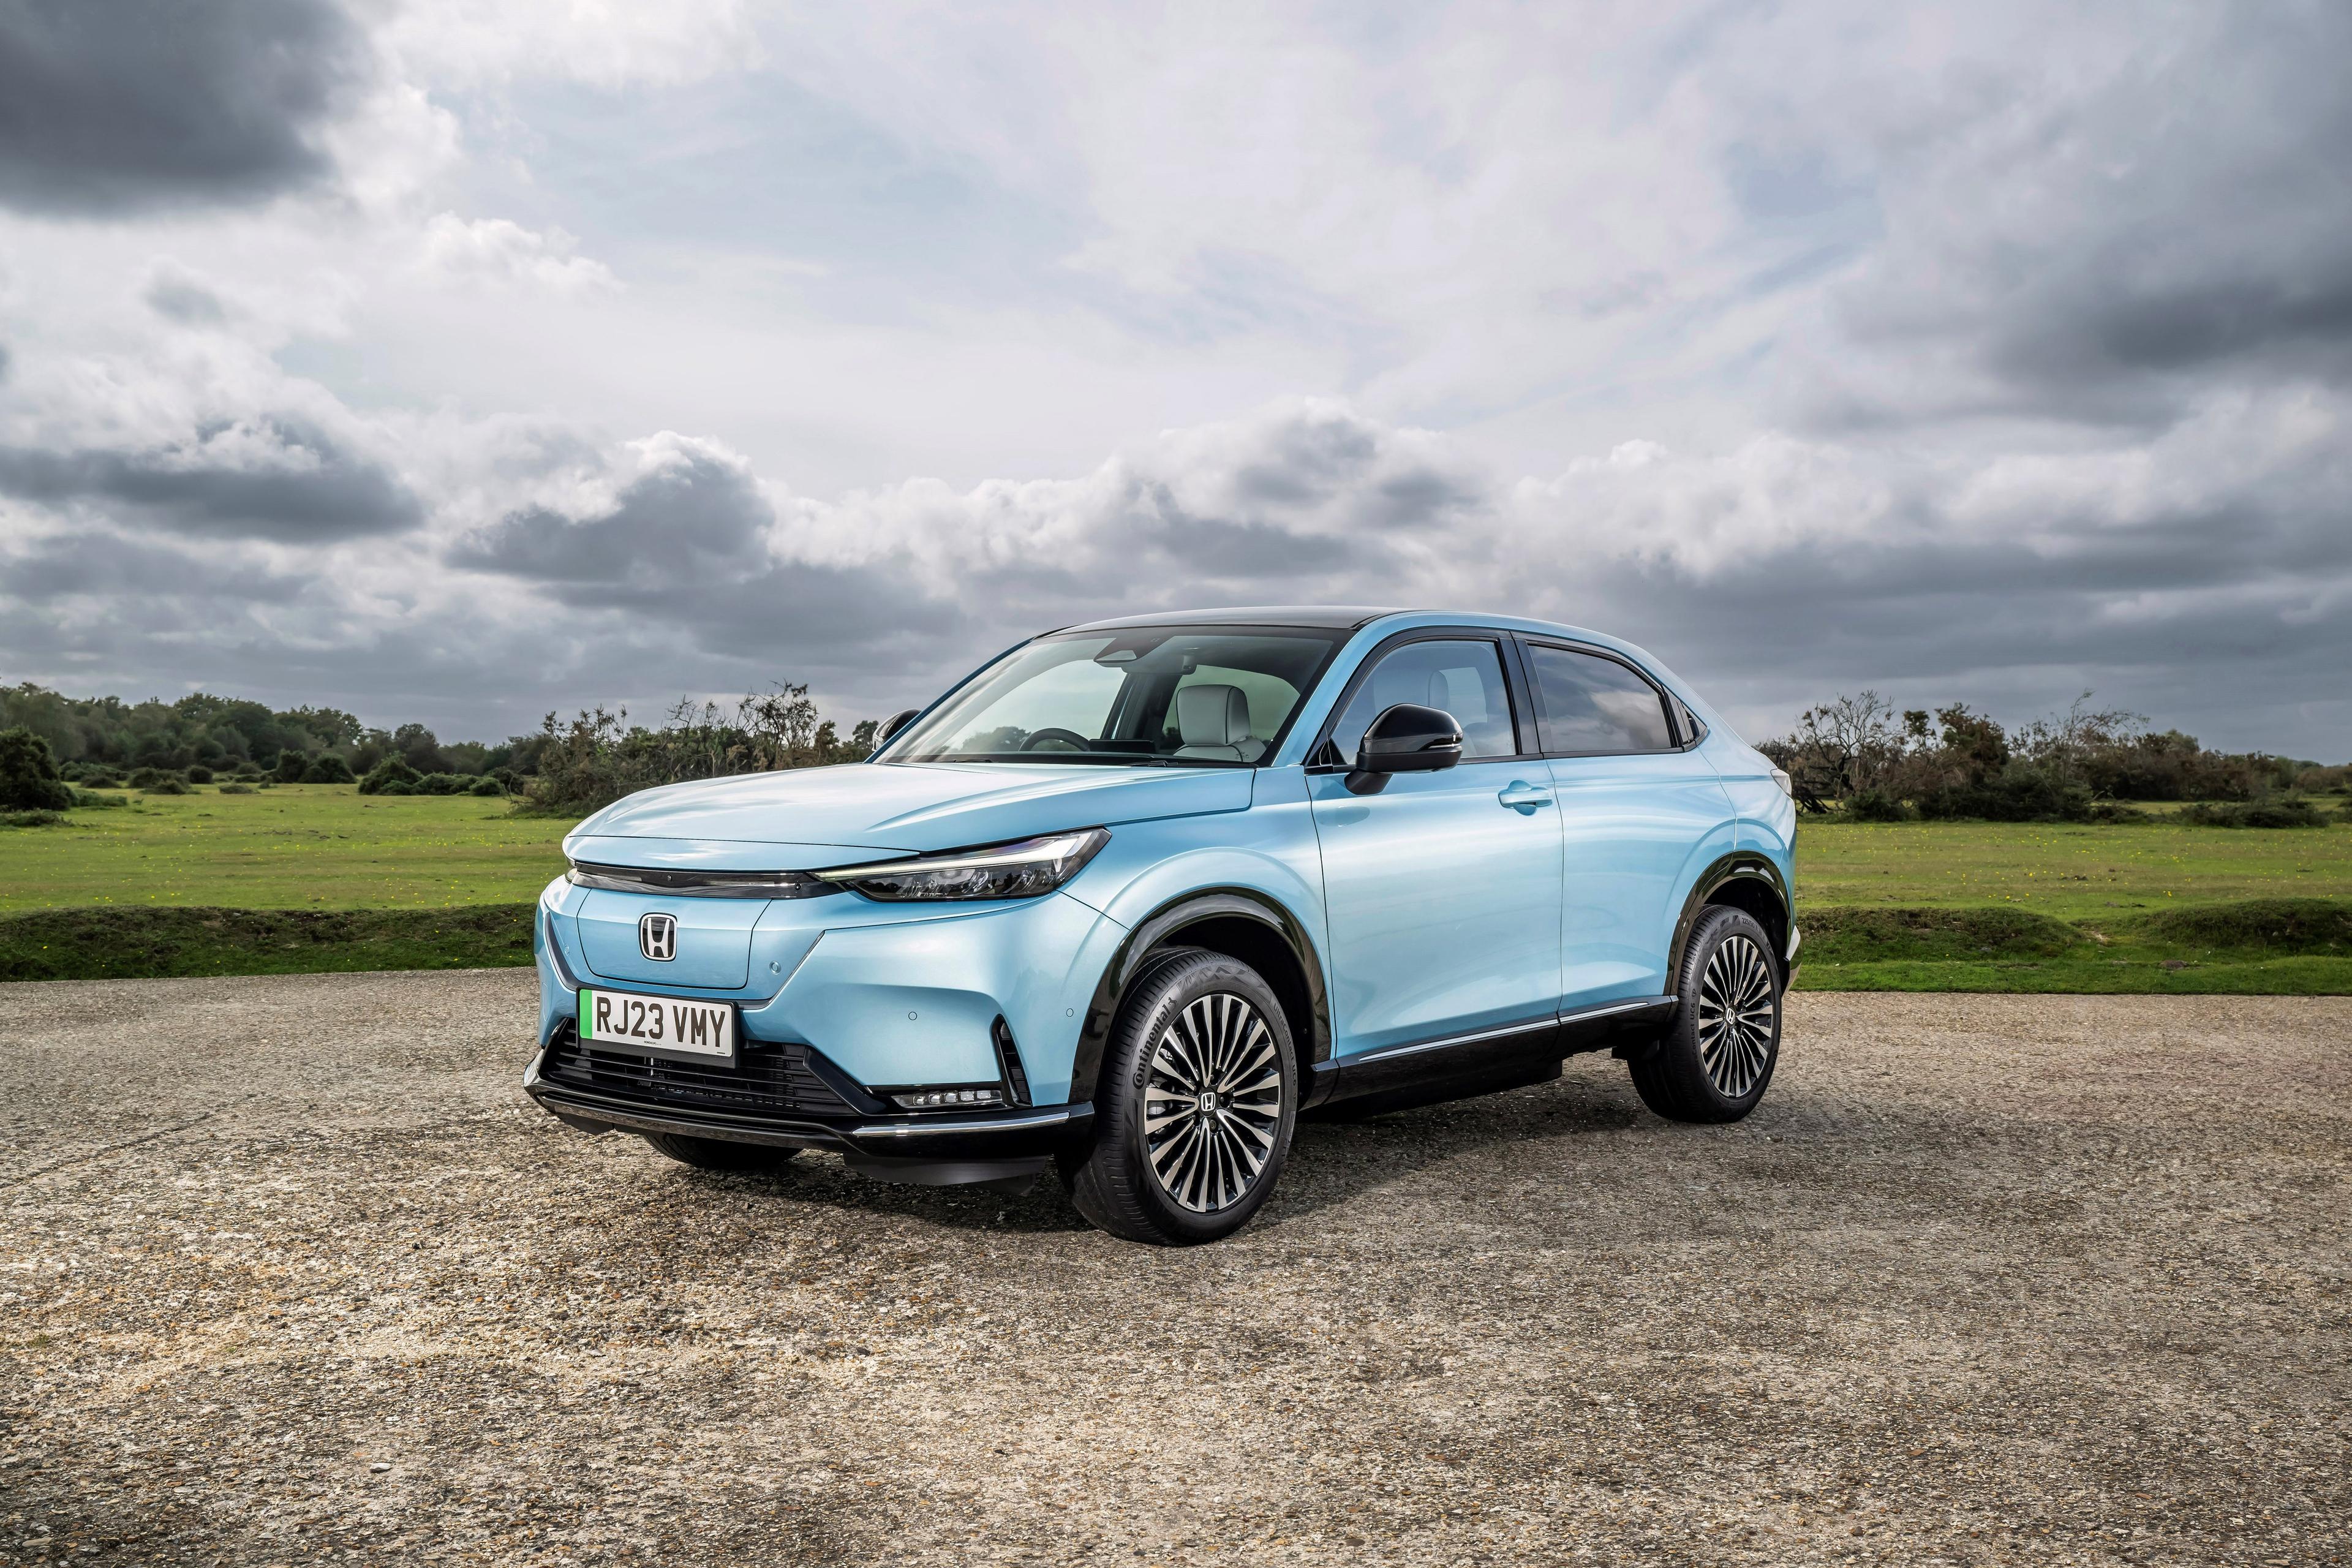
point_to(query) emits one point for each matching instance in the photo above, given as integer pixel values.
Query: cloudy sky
(453, 361)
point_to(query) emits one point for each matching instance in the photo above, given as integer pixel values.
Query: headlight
(1022, 870)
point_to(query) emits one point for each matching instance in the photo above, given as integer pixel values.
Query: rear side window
(1596, 706)
(1463, 677)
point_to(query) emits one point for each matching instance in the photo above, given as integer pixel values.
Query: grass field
(2060, 869)
(438, 881)
(291, 846)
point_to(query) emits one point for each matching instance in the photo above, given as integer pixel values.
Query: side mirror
(1405, 738)
(896, 722)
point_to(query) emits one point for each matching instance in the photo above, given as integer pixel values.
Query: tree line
(1859, 754)
(571, 765)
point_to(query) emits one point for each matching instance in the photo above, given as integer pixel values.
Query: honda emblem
(657, 937)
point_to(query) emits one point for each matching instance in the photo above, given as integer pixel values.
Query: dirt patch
(287, 1266)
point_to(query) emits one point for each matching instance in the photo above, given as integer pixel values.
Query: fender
(1747, 866)
(1148, 933)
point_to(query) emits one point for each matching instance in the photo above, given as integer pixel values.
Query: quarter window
(1596, 706)
(1463, 677)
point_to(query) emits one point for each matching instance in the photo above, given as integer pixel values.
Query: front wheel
(1714, 1062)
(1198, 1095)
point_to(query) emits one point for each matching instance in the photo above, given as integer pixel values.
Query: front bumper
(975, 1146)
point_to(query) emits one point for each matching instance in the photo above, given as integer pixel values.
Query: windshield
(1167, 696)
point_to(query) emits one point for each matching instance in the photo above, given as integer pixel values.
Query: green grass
(311, 878)
(2067, 871)
(134, 943)
(287, 847)
(2253, 947)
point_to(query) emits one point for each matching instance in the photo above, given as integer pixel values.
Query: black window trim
(1666, 700)
(1514, 684)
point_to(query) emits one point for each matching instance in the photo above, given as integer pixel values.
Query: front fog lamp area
(976, 1097)
(1021, 870)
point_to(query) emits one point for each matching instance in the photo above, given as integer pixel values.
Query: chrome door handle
(1523, 797)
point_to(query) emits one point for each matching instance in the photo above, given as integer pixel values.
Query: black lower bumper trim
(983, 1137)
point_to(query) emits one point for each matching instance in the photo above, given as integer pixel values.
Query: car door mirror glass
(897, 722)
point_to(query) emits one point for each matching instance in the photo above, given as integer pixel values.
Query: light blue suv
(1135, 895)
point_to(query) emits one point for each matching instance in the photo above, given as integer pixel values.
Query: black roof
(1342, 617)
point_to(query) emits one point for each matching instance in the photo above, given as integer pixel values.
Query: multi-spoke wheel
(1739, 1015)
(1714, 1062)
(1213, 1100)
(1197, 1095)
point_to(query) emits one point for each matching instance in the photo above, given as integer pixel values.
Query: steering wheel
(1070, 738)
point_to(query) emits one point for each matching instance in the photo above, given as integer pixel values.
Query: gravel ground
(289, 1268)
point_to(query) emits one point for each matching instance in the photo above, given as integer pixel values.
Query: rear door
(1443, 889)
(1637, 807)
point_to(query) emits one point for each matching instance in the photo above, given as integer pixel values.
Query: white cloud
(497, 250)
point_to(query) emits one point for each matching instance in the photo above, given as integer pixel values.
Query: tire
(1714, 1064)
(1202, 1032)
(720, 1153)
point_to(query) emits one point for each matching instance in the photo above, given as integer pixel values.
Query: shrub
(31, 818)
(167, 783)
(200, 774)
(2254, 814)
(445, 784)
(487, 786)
(327, 768)
(149, 778)
(28, 773)
(391, 777)
(91, 798)
(1876, 806)
(234, 787)
(291, 765)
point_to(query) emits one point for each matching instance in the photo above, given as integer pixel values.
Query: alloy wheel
(1735, 1009)
(1214, 1102)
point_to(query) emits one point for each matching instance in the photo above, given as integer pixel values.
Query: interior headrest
(1211, 715)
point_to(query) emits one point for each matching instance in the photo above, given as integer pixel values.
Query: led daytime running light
(1019, 871)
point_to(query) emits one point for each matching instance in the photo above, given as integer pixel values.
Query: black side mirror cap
(896, 722)
(1405, 738)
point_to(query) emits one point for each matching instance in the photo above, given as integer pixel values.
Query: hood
(808, 817)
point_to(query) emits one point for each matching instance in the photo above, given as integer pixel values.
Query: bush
(327, 768)
(233, 787)
(148, 778)
(445, 784)
(292, 764)
(91, 798)
(31, 818)
(487, 786)
(166, 784)
(200, 774)
(391, 777)
(1876, 806)
(28, 773)
(2254, 814)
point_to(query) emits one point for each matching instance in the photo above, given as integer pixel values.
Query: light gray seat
(1213, 721)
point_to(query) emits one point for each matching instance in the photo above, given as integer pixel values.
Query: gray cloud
(107, 108)
(272, 478)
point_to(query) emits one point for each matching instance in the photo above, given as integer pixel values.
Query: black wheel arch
(1240, 922)
(1743, 879)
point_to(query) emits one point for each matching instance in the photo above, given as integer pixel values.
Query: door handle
(1523, 797)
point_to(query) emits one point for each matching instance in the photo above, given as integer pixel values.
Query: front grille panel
(768, 1080)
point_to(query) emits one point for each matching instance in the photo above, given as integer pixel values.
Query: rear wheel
(720, 1153)
(1198, 1095)
(1714, 1062)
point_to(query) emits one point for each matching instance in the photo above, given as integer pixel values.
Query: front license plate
(664, 1025)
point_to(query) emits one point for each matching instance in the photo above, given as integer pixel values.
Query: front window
(1171, 696)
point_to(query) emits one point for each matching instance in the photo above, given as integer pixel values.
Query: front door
(1443, 889)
